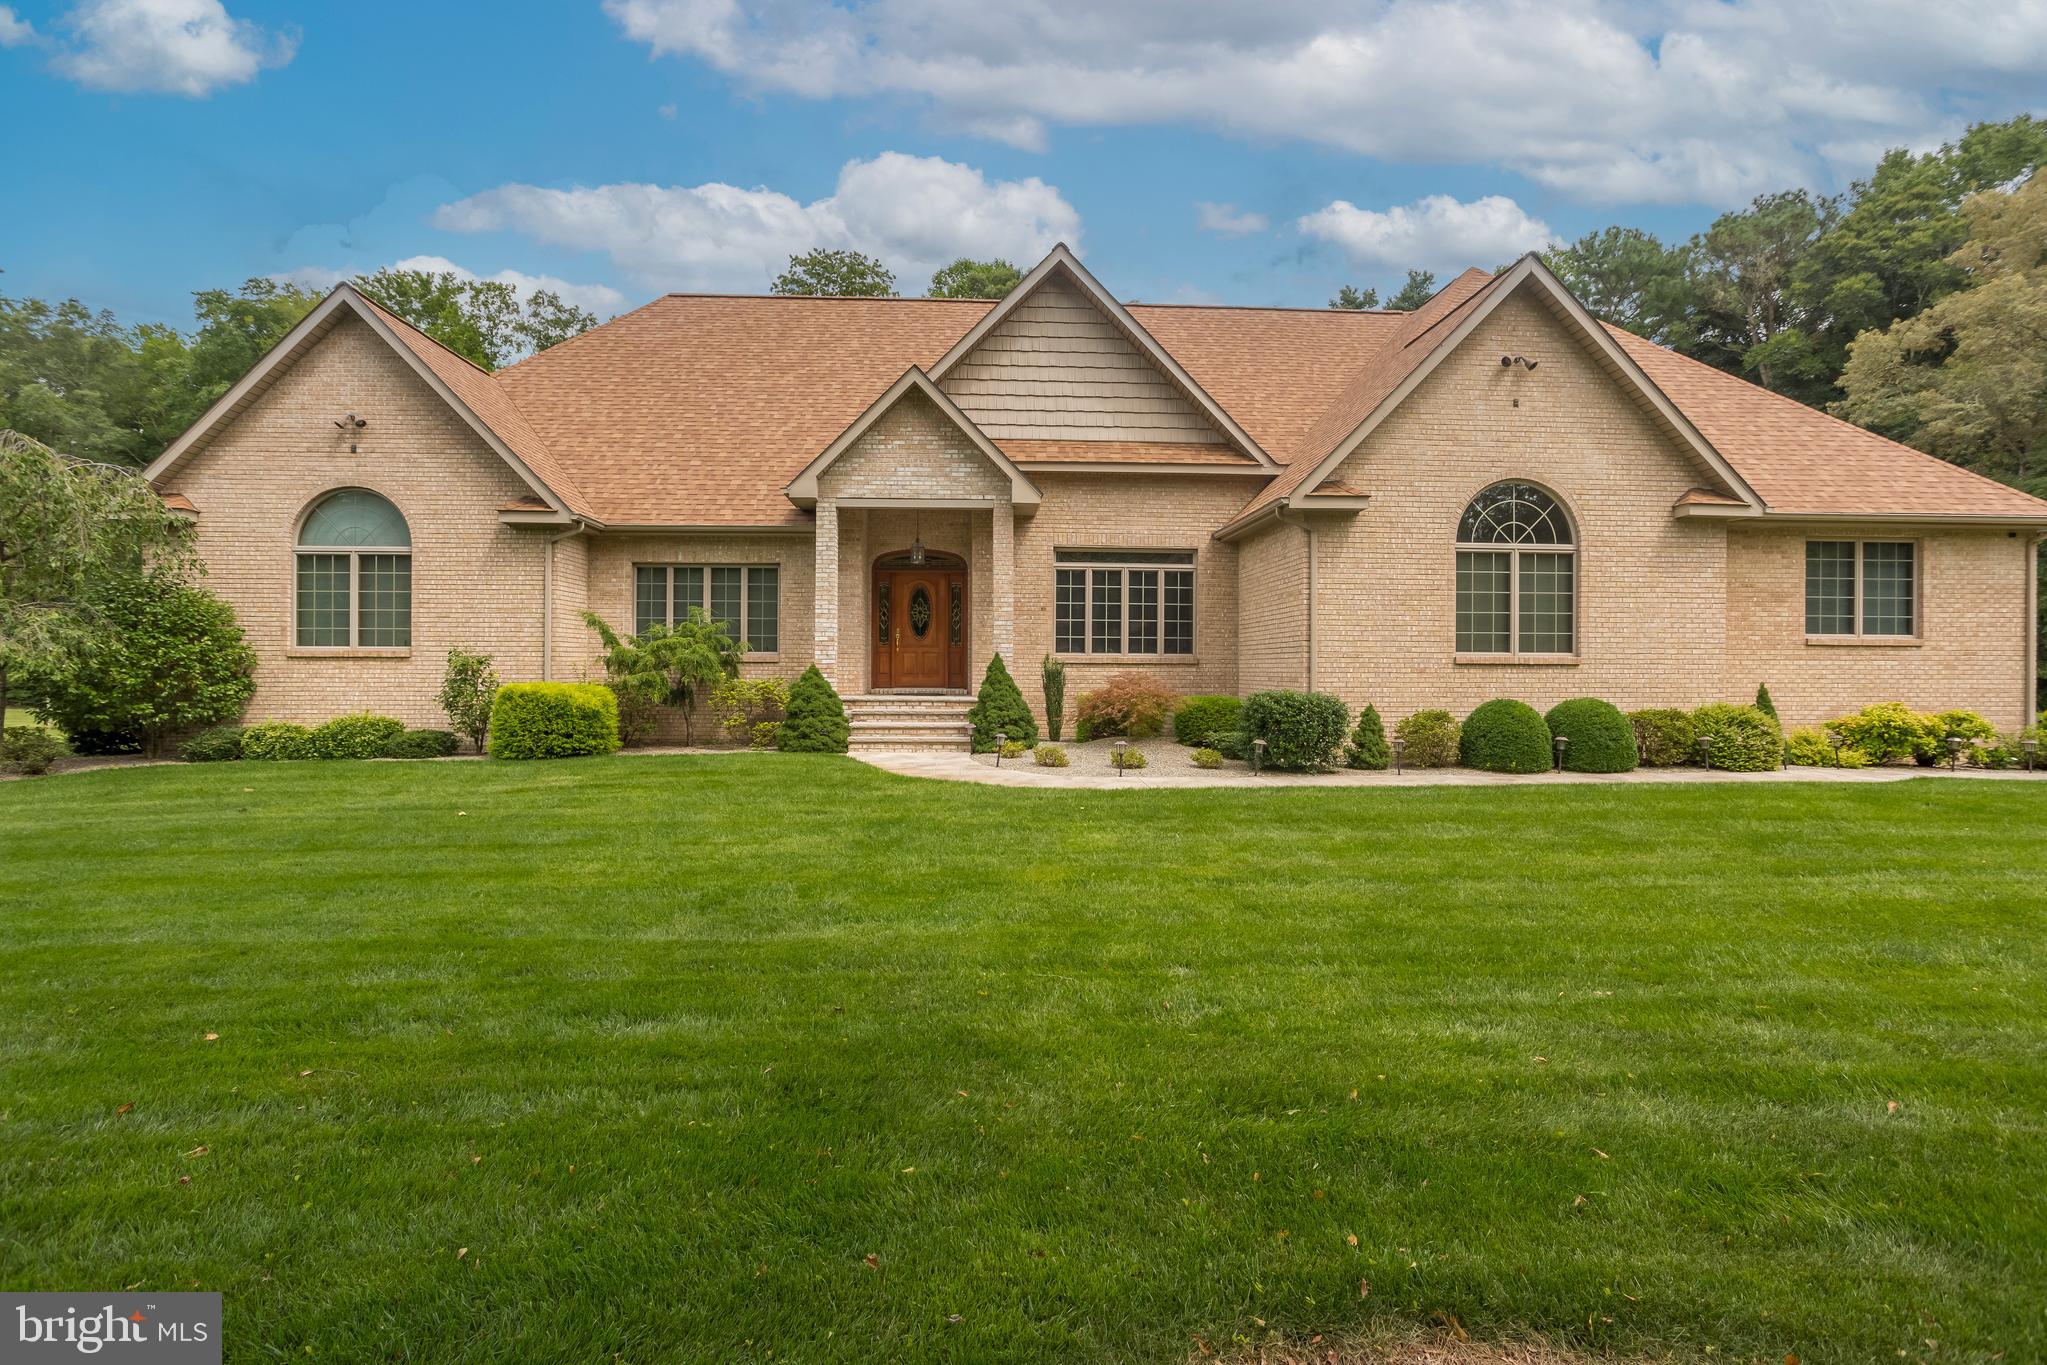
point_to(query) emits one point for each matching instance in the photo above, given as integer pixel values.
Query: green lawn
(673, 1046)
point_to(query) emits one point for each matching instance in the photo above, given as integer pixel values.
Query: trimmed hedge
(276, 740)
(813, 719)
(1368, 748)
(1602, 741)
(1665, 738)
(1303, 731)
(1745, 740)
(1505, 736)
(220, 744)
(1201, 720)
(553, 720)
(1429, 739)
(357, 736)
(423, 744)
(1000, 709)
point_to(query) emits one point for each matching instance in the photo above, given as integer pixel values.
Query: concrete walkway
(1168, 765)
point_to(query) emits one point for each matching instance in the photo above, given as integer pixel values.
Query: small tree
(467, 690)
(815, 720)
(1000, 709)
(1353, 299)
(1764, 704)
(669, 665)
(172, 659)
(967, 278)
(837, 274)
(1055, 696)
(1368, 748)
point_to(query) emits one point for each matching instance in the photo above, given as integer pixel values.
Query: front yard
(762, 1057)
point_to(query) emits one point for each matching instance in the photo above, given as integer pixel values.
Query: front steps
(910, 722)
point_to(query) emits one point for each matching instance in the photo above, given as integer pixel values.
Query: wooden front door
(920, 626)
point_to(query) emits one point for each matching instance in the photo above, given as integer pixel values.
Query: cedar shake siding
(1315, 465)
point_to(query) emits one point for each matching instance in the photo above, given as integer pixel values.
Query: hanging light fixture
(917, 542)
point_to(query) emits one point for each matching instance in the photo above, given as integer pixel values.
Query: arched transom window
(1517, 574)
(354, 580)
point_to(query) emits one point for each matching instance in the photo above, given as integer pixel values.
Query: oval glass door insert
(920, 611)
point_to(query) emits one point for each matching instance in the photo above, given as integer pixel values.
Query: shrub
(1368, 748)
(1505, 736)
(92, 741)
(219, 744)
(1236, 745)
(1055, 696)
(764, 734)
(29, 749)
(1429, 739)
(1602, 741)
(1129, 703)
(423, 744)
(468, 688)
(171, 659)
(1811, 747)
(1000, 709)
(1199, 721)
(358, 736)
(2006, 751)
(1665, 737)
(815, 722)
(553, 720)
(639, 714)
(1764, 704)
(742, 705)
(1049, 756)
(276, 740)
(1082, 731)
(1744, 739)
(1303, 731)
(1975, 733)
(666, 665)
(1014, 748)
(1888, 730)
(1130, 757)
(1207, 758)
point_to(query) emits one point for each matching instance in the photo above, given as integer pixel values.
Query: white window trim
(1514, 550)
(354, 553)
(1087, 651)
(745, 599)
(1859, 636)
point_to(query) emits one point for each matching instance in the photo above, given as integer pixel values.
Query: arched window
(1516, 574)
(354, 578)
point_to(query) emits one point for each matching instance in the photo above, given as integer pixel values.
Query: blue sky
(1248, 154)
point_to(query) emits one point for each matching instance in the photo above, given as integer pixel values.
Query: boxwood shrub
(1665, 737)
(273, 740)
(422, 744)
(1303, 731)
(1505, 736)
(357, 736)
(1429, 739)
(1201, 721)
(219, 744)
(1602, 741)
(553, 720)
(1745, 740)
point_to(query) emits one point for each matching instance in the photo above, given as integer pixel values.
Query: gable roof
(471, 392)
(1061, 263)
(803, 488)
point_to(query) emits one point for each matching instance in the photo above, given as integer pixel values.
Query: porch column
(824, 647)
(1001, 578)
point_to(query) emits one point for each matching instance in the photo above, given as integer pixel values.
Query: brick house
(1495, 495)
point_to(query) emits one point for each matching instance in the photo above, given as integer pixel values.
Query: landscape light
(1121, 746)
(1399, 745)
(2031, 746)
(1257, 754)
(1558, 745)
(1954, 751)
(1000, 740)
(1706, 750)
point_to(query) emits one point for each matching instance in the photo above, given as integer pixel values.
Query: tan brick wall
(1651, 588)
(475, 582)
(1272, 629)
(913, 450)
(1972, 625)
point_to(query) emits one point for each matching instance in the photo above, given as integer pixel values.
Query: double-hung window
(746, 598)
(1861, 588)
(1123, 602)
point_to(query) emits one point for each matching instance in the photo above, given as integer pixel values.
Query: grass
(772, 1057)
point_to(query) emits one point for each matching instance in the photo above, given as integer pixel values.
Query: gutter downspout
(1300, 520)
(547, 599)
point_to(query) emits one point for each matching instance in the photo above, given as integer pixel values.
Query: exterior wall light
(1557, 746)
(351, 424)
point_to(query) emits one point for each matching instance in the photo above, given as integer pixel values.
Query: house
(1494, 495)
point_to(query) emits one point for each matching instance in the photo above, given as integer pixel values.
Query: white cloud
(14, 30)
(1436, 233)
(1226, 221)
(915, 213)
(600, 299)
(1599, 99)
(166, 47)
